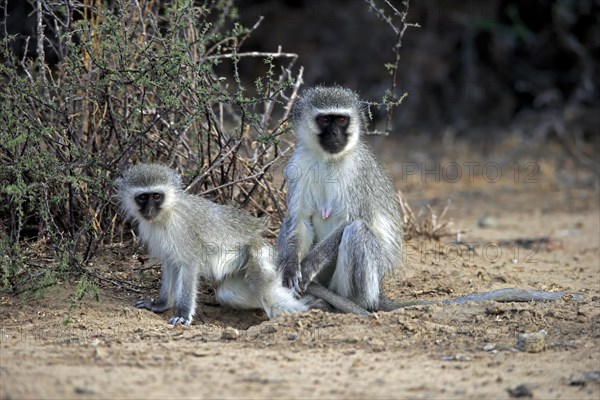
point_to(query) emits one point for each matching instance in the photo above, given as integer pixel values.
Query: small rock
(520, 391)
(489, 347)
(581, 379)
(532, 342)
(268, 328)
(487, 221)
(230, 333)
(83, 391)
(456, 357)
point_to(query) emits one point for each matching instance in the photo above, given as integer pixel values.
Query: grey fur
(194, 237)
(345, 225)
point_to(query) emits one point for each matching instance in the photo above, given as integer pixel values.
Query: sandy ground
(112, 350)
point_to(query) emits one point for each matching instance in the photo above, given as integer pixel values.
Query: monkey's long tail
(500, 295)
(385, 304)
(339, 302)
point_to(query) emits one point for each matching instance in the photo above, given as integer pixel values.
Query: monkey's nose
(150, 214)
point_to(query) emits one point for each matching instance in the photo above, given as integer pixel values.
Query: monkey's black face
(149, 204)
(333, 135)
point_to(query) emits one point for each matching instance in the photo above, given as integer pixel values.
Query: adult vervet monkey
(344, 225)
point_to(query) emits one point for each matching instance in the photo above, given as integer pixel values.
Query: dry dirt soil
(109, 349)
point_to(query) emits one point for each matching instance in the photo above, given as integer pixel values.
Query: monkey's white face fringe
(132, 209)
(307, 129)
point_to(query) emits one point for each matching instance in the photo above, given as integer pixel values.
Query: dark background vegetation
(470, 62)
(116, 82)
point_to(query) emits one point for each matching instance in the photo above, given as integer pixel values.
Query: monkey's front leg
(185, 296)
(165, 300)
(325, 253)
(289, 261)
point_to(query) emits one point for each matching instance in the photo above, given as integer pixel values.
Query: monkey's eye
(157, 196)
(143, 197)
(342, 120)
(323, 120)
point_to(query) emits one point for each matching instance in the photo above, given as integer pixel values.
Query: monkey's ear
(118, 183)
(295, 113)
(177, 182)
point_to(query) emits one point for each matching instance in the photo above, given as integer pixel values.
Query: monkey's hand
(292, 276)
(157, 306)
(308, 270)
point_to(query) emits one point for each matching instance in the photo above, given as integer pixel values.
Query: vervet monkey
(344, 224)
(194, 237)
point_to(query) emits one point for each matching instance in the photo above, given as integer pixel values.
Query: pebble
(488, 221)
(532, 342)
(489, 347)
(455, 357)
(582, 378)
(520, 391)
(230, 333)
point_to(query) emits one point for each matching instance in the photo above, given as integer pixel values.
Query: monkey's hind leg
(250, 290)
(235, 292)
(166, 298)
(357, 273)
(258, 285)
(262, 276)
(323, 256)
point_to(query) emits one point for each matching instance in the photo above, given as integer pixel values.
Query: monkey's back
(212, 237)
(221, 223)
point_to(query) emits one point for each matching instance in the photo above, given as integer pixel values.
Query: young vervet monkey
(344, 227)
(194, 237)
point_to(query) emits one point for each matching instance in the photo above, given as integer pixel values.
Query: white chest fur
(322, 196)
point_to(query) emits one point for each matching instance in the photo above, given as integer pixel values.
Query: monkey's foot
(156, 306)
(292, 280)
(180, 320)
(309, 272)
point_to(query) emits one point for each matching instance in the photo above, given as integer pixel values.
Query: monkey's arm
(325, 253)
(185, 295)
(289, 259)
(166, 299)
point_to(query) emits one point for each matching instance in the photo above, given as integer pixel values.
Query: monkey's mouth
(332, 144)
(333, 147)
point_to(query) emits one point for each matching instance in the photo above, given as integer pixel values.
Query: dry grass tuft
(429, 225)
